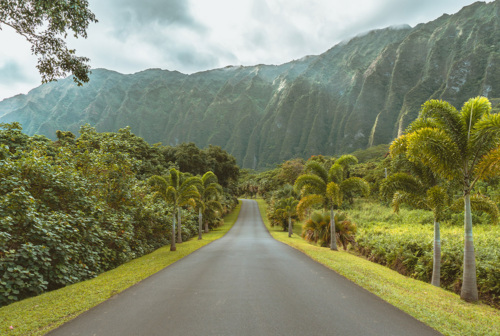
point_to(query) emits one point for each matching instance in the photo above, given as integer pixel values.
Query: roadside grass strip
(436, 307)
(40, 314)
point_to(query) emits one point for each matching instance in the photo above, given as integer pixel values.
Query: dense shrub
(77, 207)
(407, 248)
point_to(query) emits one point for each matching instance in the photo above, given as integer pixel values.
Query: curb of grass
(40, 314)
(440, 309)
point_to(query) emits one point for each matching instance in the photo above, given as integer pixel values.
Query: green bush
(407, 248)
(73, 209)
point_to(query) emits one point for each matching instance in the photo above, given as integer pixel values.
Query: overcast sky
(197, 35)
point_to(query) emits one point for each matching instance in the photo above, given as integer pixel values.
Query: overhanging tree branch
(45, 25)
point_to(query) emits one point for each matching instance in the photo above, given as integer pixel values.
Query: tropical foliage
(453, 144)
(284, 211)
(404, 242)
(317, 229)
(76, 207)
(404, 184)
(419, 190)
(209, 203)
(329, 187)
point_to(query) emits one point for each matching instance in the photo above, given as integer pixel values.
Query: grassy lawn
(40, 314)
(438, 308)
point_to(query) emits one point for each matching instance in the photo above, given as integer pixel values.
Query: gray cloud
(395, 12)
(11, 72)
(145, 16)
(163, 12)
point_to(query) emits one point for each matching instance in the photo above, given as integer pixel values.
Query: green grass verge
(436, 307)
(40, 314)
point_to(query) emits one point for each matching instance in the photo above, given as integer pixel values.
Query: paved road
(245, 283)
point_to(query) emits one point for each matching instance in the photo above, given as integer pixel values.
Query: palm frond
(313, 184)
(400, 182)
(171, 195)
(448, 118)
(333, 194)
(208, 178)
(489, 166)
(307, 202)
(212, 191)
(355, 184)
(189, 182)
(474, 110)
(399, 145)
(336, 173)
(317, 227)
(188, 194)
(157, 182)
(420, 123)
(316, 168)
(485, 135)
(413, 200)
(174, 177)
(435, 149)
(346, 160)
(215, 206)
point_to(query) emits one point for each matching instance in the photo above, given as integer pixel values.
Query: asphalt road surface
(245, 283)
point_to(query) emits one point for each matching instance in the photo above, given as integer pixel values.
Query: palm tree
(209, 205)
(178, 190)
(411, 190)
(453, 144)
(287, 208)
(328, 187)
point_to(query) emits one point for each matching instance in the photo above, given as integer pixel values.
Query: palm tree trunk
(333, 236)
(436, 267)
(179, 229)
(290, 226)
(200, 223)
(469, 280)
(172, 239)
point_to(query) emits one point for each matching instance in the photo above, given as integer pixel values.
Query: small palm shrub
(317, 229)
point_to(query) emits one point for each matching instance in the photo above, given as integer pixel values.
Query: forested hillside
(360, 93)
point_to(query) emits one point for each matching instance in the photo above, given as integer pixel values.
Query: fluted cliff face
(359, 93)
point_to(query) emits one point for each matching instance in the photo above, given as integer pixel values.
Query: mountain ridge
(359, 93)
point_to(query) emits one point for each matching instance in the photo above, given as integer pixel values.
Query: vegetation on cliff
(360, 93)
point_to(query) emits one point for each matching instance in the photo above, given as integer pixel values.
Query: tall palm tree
(411, 190)
(208, 204)
(178, 190)
(328, 187)
(453, 144)
(287, 208)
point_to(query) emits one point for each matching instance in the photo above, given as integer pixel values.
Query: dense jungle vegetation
(76, 207)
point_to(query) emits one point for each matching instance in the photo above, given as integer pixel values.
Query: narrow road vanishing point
(245, 283)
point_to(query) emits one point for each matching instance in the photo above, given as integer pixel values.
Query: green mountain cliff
(360, 93)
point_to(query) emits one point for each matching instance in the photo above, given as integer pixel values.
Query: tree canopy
(45, 24)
